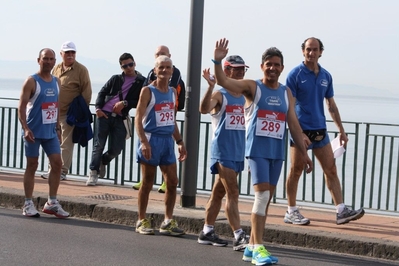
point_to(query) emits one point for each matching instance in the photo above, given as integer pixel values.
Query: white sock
(237, 233)
(28, 201)
(166, 221)
(208, 228)
(291, 209)
(52, 200)
(340, 207)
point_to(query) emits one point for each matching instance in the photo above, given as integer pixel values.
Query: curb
(192, 220)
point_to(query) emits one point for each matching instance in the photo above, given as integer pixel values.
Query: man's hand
(182, 151)
(100, 113)
(28, 135)
(146, 150)
(117, 109)
(221, 49)
(206, 73)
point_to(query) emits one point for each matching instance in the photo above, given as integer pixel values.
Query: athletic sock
(237, 233)
(208, 228)
(291, 209)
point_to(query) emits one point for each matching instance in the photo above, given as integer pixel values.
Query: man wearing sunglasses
(114, 101)
(75, 81)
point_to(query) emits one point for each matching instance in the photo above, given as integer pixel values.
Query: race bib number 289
(49, 113)
(270, 124)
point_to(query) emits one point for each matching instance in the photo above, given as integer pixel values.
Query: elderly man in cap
(75, 81)
(227, 161)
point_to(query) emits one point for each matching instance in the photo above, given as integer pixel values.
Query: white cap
(68, 46)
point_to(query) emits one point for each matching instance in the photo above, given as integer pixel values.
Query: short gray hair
(162, 58)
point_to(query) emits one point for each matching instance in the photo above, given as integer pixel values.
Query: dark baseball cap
(235, 61)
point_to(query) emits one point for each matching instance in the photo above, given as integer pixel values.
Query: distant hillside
(100, 70)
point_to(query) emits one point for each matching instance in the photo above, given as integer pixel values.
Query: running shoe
(29, 210)
(296, 218)
(55, 209)
(144, 227)
(171, 229)
(241, 243)
(211, 239)
(137, 186)
(348, 215)
(162, 188)
(93, 178)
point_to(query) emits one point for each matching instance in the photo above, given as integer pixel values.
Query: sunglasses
(127, 65)
(70, 52)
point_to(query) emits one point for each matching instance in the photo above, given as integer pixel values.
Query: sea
(379, 108)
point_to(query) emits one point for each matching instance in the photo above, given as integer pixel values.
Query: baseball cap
(68, 46)
(235, 61)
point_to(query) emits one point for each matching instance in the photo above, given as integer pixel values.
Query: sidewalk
(373, 235)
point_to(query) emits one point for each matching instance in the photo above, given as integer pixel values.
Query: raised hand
(221, 49)
(206, 73)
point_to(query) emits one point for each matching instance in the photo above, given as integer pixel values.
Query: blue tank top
(42, 108)
(228, 124)
(159, 117)
(266, 122)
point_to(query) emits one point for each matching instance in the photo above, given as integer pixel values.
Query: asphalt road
(51, 241)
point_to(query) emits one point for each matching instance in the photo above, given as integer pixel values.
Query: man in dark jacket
(176, 82)
(114, 101)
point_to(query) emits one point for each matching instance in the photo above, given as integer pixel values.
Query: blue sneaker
(260, 256)
(247, 257)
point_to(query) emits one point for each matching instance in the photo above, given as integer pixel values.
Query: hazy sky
(361, 37)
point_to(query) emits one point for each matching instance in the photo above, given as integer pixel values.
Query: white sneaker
(62, 177)
(296, 218)
(93, 178)
(55, 209)
(29, 210)
(44, 176)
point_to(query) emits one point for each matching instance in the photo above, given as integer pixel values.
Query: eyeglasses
(131, 64)
(238, 69)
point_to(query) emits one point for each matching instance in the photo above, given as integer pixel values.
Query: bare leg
(148, 172)
(215, 202)
(229, 179)
(293, 177)
(325, 157)
(29, 176)
(169, 173)
(54, 175)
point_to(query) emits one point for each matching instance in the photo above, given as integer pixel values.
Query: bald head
(162, 50)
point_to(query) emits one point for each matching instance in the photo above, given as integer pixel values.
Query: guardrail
(368, 170)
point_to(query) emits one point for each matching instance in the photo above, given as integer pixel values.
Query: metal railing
(368, 170)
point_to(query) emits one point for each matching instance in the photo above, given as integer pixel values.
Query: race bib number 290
(165, 114)
(235, 119)
(49, 113)
(270, 124)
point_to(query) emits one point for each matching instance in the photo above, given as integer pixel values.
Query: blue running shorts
(265, 170)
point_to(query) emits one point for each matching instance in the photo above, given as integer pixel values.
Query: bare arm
(211, 100)
(333, 110)
(296, 132)
(245, 87)
(28, 89)
(145, 97)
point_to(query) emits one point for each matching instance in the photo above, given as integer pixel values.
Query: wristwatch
(125, 103)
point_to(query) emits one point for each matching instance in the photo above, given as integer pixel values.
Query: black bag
(316, 135)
